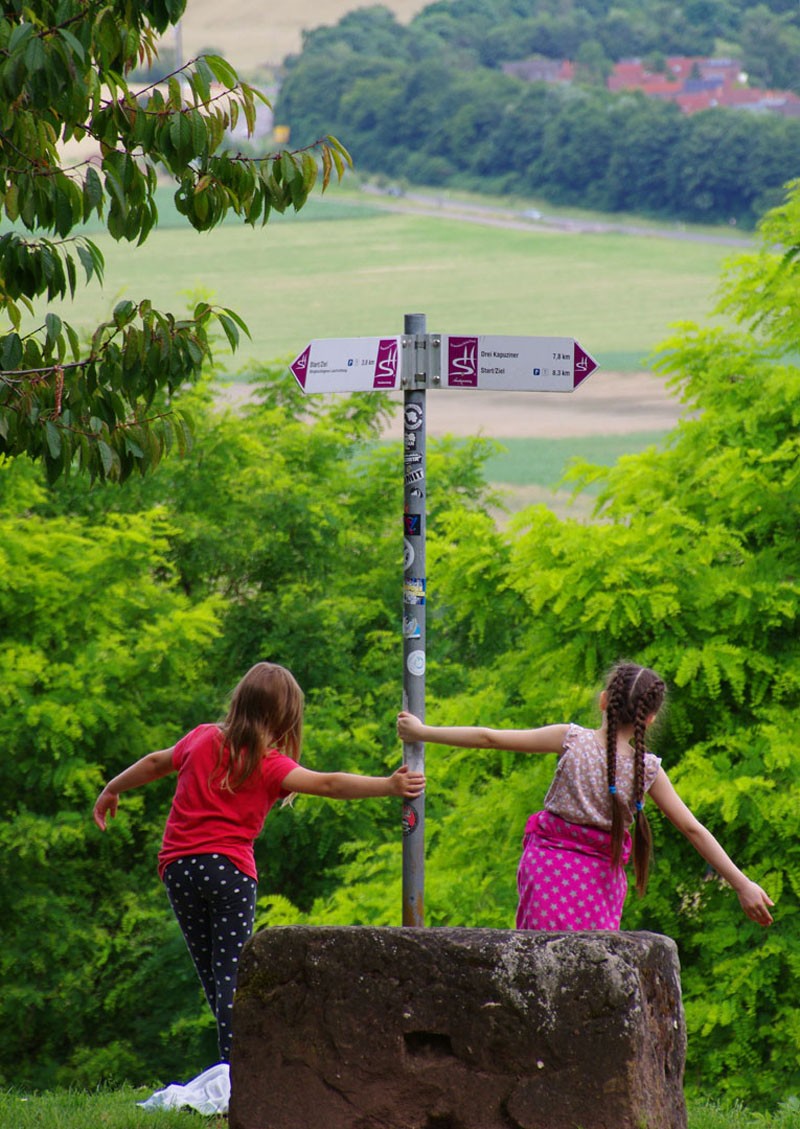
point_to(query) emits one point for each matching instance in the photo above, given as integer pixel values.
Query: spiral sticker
(415, 663)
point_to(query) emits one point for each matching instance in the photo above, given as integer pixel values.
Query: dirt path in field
(605, 404)
(441, 206)
(608, 403)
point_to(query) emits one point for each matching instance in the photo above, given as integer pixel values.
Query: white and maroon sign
(348, 364)
(515, 364)
(511, 364)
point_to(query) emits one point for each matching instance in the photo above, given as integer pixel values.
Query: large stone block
(358, 1028)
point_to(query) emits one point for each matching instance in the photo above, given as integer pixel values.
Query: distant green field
(344, 268)
(525, 472)
(542, 462)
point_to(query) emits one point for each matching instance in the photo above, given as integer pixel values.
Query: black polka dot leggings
(215, 904)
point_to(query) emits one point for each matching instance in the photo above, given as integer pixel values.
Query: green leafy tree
(715, 187)
(102, 657)
(635, 178)
(577, 146)
(106, 406)
(771, 48)
(593, 65)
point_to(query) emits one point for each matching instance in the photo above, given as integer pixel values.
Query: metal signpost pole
(414, 362)
(414, 369)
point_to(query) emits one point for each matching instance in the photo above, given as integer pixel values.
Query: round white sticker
(416, 663)
(413, 416)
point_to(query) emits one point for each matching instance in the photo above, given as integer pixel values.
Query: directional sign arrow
(523, 364)
(348, 364)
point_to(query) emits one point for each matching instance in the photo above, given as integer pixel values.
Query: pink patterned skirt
(565, 878)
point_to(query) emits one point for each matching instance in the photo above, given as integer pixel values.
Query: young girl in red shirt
(229, 776)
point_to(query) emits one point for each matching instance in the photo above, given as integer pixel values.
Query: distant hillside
(251, 34)
(429, 103)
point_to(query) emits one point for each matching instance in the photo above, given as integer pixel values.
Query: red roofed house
(692, 82)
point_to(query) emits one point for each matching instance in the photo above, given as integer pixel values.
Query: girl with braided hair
(571, 874)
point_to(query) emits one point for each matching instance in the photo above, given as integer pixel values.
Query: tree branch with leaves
(107, 407)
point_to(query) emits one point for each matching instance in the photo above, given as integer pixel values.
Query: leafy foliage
(102, 407)
(101, 652)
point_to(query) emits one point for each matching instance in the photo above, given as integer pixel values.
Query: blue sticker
(411, 627)
(414, 590)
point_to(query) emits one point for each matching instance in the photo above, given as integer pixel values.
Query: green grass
(542, 462)
(104, 1109)
(117, 1109)
(346, 268)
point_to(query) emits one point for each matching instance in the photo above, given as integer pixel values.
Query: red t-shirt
(206, 818)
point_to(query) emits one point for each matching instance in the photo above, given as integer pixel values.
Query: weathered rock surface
(358, 1028)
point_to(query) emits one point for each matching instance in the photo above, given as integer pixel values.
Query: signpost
(414, 362)
(487, 363)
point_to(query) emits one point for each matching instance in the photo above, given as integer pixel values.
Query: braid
(633, 694)
(642, 835)
(615, 698)
(639, 728)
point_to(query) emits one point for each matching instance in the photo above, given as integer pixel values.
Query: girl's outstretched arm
(351, 786)
(150, 767)
(548, 739)
(754, 901)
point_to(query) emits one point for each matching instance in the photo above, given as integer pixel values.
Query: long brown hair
(266, 712)
(633, 695)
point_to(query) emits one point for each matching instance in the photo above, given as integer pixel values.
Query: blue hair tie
(612, 789)
(639, 805)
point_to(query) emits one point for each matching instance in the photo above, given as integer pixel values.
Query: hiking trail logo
(462, 362)
(386, 364)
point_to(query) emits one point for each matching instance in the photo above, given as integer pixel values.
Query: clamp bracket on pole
(420, 360)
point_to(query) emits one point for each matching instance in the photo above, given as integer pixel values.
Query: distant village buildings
(692, 82)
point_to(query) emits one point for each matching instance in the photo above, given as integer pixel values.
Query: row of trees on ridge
(436, 117)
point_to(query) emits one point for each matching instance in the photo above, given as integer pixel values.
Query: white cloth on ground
(208, 1093)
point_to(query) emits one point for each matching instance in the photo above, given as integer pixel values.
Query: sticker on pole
(515, 364)
(348, 364)
(410, 819)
